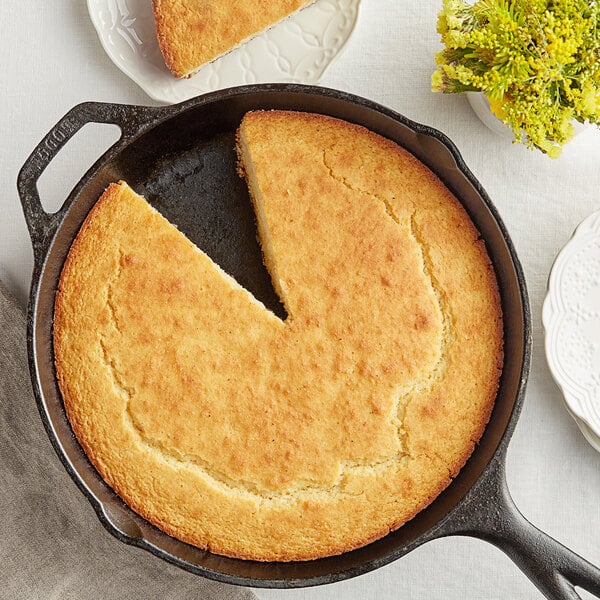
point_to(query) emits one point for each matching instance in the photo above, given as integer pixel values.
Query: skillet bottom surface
(201, 192)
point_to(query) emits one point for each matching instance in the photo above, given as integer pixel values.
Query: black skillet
(182, 159)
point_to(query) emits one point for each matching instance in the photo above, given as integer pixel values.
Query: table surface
(52, 60)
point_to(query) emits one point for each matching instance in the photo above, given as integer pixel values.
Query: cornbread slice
(271, 439)
(192, 33)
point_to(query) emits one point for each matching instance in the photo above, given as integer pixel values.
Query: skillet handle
(42, 225)
(491, 514)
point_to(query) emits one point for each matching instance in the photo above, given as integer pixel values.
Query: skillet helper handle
(42, 225)
(552, 567)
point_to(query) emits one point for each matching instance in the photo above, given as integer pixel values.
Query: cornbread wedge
(192, 33)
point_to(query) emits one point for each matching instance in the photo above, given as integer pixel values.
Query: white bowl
(481, 106)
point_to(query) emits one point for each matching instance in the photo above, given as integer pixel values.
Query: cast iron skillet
(182, 159)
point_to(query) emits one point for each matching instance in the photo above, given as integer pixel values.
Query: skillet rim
(160, 116)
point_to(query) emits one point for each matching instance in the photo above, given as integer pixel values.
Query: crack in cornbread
(247, 486)
(444, 308)
(448, 335)
(285, 440)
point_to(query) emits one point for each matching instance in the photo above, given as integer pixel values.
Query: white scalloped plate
(296, 50)
(571, 318)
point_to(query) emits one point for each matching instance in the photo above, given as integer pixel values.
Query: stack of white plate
(571, 318)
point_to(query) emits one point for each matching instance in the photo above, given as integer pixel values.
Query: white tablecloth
(51, 60)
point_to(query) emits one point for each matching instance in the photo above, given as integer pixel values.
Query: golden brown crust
(192, 33)
(285, 440)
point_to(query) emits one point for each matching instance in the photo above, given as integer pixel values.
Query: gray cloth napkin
(51, 545)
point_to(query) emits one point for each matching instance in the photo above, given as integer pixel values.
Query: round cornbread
(278, 440)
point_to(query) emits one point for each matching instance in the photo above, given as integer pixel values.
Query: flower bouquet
(536, 61)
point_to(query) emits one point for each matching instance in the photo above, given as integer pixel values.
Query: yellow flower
(437, 82)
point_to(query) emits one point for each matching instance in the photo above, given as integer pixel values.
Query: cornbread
(277, 440)
(192, 33)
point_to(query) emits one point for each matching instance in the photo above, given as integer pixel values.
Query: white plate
(297, 50)
(571, 317)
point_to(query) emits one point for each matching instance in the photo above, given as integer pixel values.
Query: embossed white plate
(296, 50)
(571, 317)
